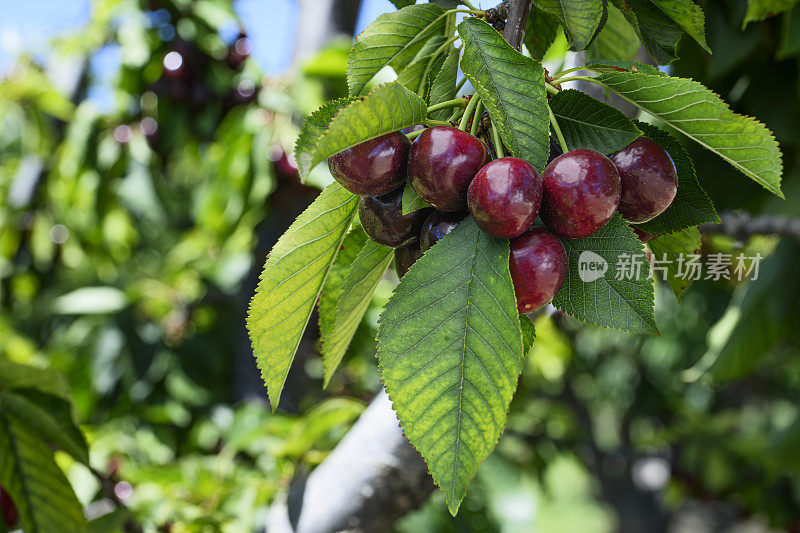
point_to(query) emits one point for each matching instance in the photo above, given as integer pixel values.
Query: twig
(742, 226)
(518, 11)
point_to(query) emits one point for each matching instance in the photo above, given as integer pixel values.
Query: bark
(518, 11)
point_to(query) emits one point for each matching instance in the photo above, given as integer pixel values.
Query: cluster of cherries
(576, 195)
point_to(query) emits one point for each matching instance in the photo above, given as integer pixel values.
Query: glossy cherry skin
(373, 167)
(649, 180)
(581, 193)
(405, 256)
(505, 196)
(436, 226)
(442, 163)
(538, 265)
(383, 220)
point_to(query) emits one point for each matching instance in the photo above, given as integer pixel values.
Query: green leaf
(443, 87)
(392, 40)
(528, 333)
(351, 246)
(418, 75)
(47, 380)
(412, 201)
(450, 352)
(691, 206)
(28, 471)
(606, 65)
(667, 250)
(621, 297)
(762, 9)
(582, 19)
(291, 282)
(616, 41)
(313, 129)
(359, 285)
(588, 123)
(790, 35)
(540, 32)
(512, 89)
(659, 33)
(701, 115)
(688, 16)
(387, 108)
(399, 4)
(112, 522)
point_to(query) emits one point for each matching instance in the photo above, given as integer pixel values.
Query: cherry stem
(414, 134)
(456, 102)
(469, 5)
(476, 118)
(565, 72)
(550, 88)
(429, 122)
(557, 129)
(498, 143)
(578, 78)
(460, 85)
(473, 102)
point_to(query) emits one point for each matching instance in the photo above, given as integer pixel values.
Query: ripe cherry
(405, 256)
(383, 220)
(373, 167)
(538, 266)
(8, 511)
(649, 180)
(505, 197)
(442, 163)
(436, 226)
(581, 193)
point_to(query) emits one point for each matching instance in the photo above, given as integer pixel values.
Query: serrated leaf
(540, 32)
(450, 352)
(582, 19)
(313, 129)
(688, 16)
(701, 115)
(588, 123)
(412, 201)
(667, 250)
(528, 333)
(611, 300)
(418, 75)
(291, 282)
(616, 41)
(359, 285)
(512, 89)
(387, 108)
(443, 87)
(691, 206)
(658, 33)
(762, 9)
(28, 471)
(351, 246)
(606, 65)
(393, 39)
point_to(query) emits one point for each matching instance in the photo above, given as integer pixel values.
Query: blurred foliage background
(131, 240)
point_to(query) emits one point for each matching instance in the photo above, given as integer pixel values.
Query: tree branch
(742, 226)
(518, 11)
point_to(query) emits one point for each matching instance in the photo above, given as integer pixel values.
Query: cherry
(284, 165)
(373, 167)
(405, 256)
(442, 163)
(649, 180)
(383, 220)
(581, 193)
(505, 197)
(538, 266)
(436, 226)
(8, 511)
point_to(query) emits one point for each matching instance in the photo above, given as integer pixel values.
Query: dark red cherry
(436, 226)
(405, 256)
(538, 266)
(643, 235)
(649, 180)
(505, 197)
(442, 163)
(581, 193)
(383, 220)
(8, 511)
(374, 167)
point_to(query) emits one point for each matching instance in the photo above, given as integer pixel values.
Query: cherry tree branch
(518, 11)
(742, 226)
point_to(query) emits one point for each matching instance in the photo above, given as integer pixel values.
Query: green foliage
(449, 352)
(314, 128)
(622, 297)
(582, 19)
(540, 32)
(588, 123)
(443, 87)
(658, 33)
(392, 40)
(291, 282)
(702, 116)
(762, 9)
(691, 206)
(688, 16)
(387, 108)
(616, 41)
(419, 74)
(667, 250)
(412, 201)
(512, 89)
